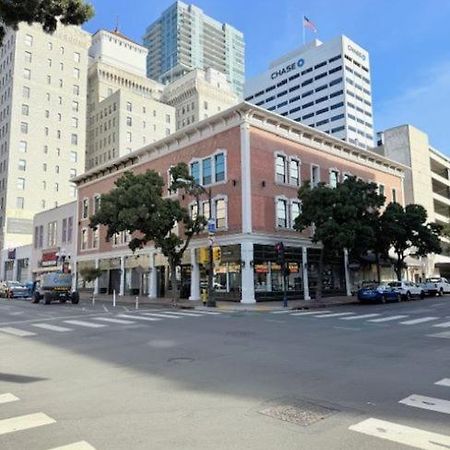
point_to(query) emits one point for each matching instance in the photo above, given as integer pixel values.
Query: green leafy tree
(136, 204)
(340, 218)
(45, 12)
(408, 232)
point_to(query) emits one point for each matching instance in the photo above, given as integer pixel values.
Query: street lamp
(211, 231)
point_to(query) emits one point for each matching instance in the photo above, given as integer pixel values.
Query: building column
(306, 295)
(96, 283)
(247, 275)
(195, 277)
(15, 272)
(74, 275)
(347, 274)
(152, 291)
(122, 276)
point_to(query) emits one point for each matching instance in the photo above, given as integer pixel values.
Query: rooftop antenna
(117, 24)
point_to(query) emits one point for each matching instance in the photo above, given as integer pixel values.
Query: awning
(441, 261)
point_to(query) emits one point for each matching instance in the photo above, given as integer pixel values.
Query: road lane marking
(421, 320)
(430, 403)
(211, 313)
(81, 323)
(24, 422)
(127, 316)
(164, 316)
(443, 382)
(444, 335)
(7, 398)
(187, 314)
(47, 326)
(387, 319)
(414, 437)
(336, 315)
(362, 316)
(309, 313)
(119, 321)
(16, 332)
(282, 311)
(442, 325)
(81, 445)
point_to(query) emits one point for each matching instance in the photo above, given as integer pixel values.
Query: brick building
(254, 161)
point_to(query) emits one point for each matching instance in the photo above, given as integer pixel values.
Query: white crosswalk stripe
(362, 316)
(82, 323)
(211, 313)
(309, 313)
(401, 434)
(8, 398)
(16, 332)
(81, 445)
(136, 317)
(24, 422)
(420, 320)
(164, 316)
(387, 319)
(47, 326)
(111, 320)
(187, 314)
(335, 315)
(429, 403)
(443, 382)
(442, 325)
(444, 335)
(281, 311)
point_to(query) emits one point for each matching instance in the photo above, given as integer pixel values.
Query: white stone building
(42, 124)
(16, 264)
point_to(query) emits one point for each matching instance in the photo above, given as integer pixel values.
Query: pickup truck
(437, 286)
(56, 286)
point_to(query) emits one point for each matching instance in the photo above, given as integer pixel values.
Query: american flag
(308, 24)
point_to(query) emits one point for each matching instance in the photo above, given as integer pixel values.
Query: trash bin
(204, 296)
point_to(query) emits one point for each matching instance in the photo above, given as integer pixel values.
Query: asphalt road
(357, 377)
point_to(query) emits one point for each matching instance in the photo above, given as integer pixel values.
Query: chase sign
(289, 68)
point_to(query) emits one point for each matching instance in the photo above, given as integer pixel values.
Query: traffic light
(279, 252)
(217, 254)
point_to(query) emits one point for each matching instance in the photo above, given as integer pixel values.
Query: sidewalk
(223, 306)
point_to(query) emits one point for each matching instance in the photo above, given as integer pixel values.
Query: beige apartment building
(124, 107)
(42, 124)
(198, 95)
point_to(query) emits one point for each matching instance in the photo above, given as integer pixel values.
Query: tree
(137, 205)
(45, 12)
(90, 274)
(407, 229)
(341, 218)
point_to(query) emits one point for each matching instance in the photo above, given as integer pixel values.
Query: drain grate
(299, 412)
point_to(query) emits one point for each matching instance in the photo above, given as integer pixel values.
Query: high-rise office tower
(185, 38)
(42, 124)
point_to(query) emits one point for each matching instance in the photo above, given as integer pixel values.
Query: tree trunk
(377, 259)
(399, 267)
(320, 276)
(174, 282)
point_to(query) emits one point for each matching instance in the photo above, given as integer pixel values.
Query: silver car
(13, 289)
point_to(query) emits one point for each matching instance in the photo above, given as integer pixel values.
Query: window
(219, 166)
(294, 172)
(167, 118)
(44, 167)
(23, 145)
(27, 74)
(85, 210)
(315, 175)
(381, 189)
(334, 178)
(207, 174)
(220, 207)
(22, 165)
(51, 234)
(26, 92)
(74, 122)
(69, 229)
(76, 73)
(20, 202)
(96, 203)
(21, 184)
(195, 171)
(28, 40)
(64, 231)
(73, 173)
(394, 195)
(194, 211)
(73, 156)
(129, 121)
(281, 169)
(84, 237)
(281, 213)
(50, 46)
(95, 238)
(36, 237)
(28, 57)
(76, 57)
(49, 79)
(49, 62)
(129, 106)
(74, 139)
(75, 106)
(129, 137)
(76, 90)
(295, 212)
(57, 169)
(56, 187)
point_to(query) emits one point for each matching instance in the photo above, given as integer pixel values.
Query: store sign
(289, 68)
(12, 254)
(49, 259)
(231, 253)
(293, 267)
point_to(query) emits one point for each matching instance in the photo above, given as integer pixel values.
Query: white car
(407, 289)
(437, 286)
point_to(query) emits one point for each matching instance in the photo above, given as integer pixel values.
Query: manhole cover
(180, 360)
(299, 412)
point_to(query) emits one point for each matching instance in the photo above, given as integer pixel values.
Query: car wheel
(422, 295)
(383, 299)
(400, 298)
(441, 292)
(408, 296)
(75, 298)
(47, 298)
(36, 298)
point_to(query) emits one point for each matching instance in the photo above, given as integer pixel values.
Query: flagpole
(303, 29)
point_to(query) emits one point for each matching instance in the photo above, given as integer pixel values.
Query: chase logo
(288, 68)
(356, 52)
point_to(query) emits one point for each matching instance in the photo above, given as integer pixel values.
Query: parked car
(13, 289)
(378, 293)
(437, 286)
(407, 289)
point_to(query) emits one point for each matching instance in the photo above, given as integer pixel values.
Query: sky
(408, 42)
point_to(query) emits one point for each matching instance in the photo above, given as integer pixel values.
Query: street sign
(211, 226)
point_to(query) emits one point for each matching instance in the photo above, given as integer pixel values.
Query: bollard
(114, 298)
(93, 300)
(137, 302)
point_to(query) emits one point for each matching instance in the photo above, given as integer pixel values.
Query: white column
(152, 291)
(247, 276)
(269, 278)
(246, 181)
(122, 275)
(305, 274)
(195, 277)
(15, 273)
(74, 275)
(347, 274)
(96, 282)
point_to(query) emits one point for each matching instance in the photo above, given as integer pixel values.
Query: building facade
(16, 264)
(198, 95)
(124, 107)
(42, 124)
(254, 162)
(185, 38)
(323, 85)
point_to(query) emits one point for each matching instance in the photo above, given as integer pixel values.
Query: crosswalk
(29, 329)
(438, 324)
(407, 435)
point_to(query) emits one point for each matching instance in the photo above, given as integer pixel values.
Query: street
(78, 377)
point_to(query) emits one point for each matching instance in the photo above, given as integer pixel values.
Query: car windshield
(14, 283)
(395, 284)
(433, 280)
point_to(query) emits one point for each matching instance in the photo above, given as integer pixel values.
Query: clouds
(424, 103)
